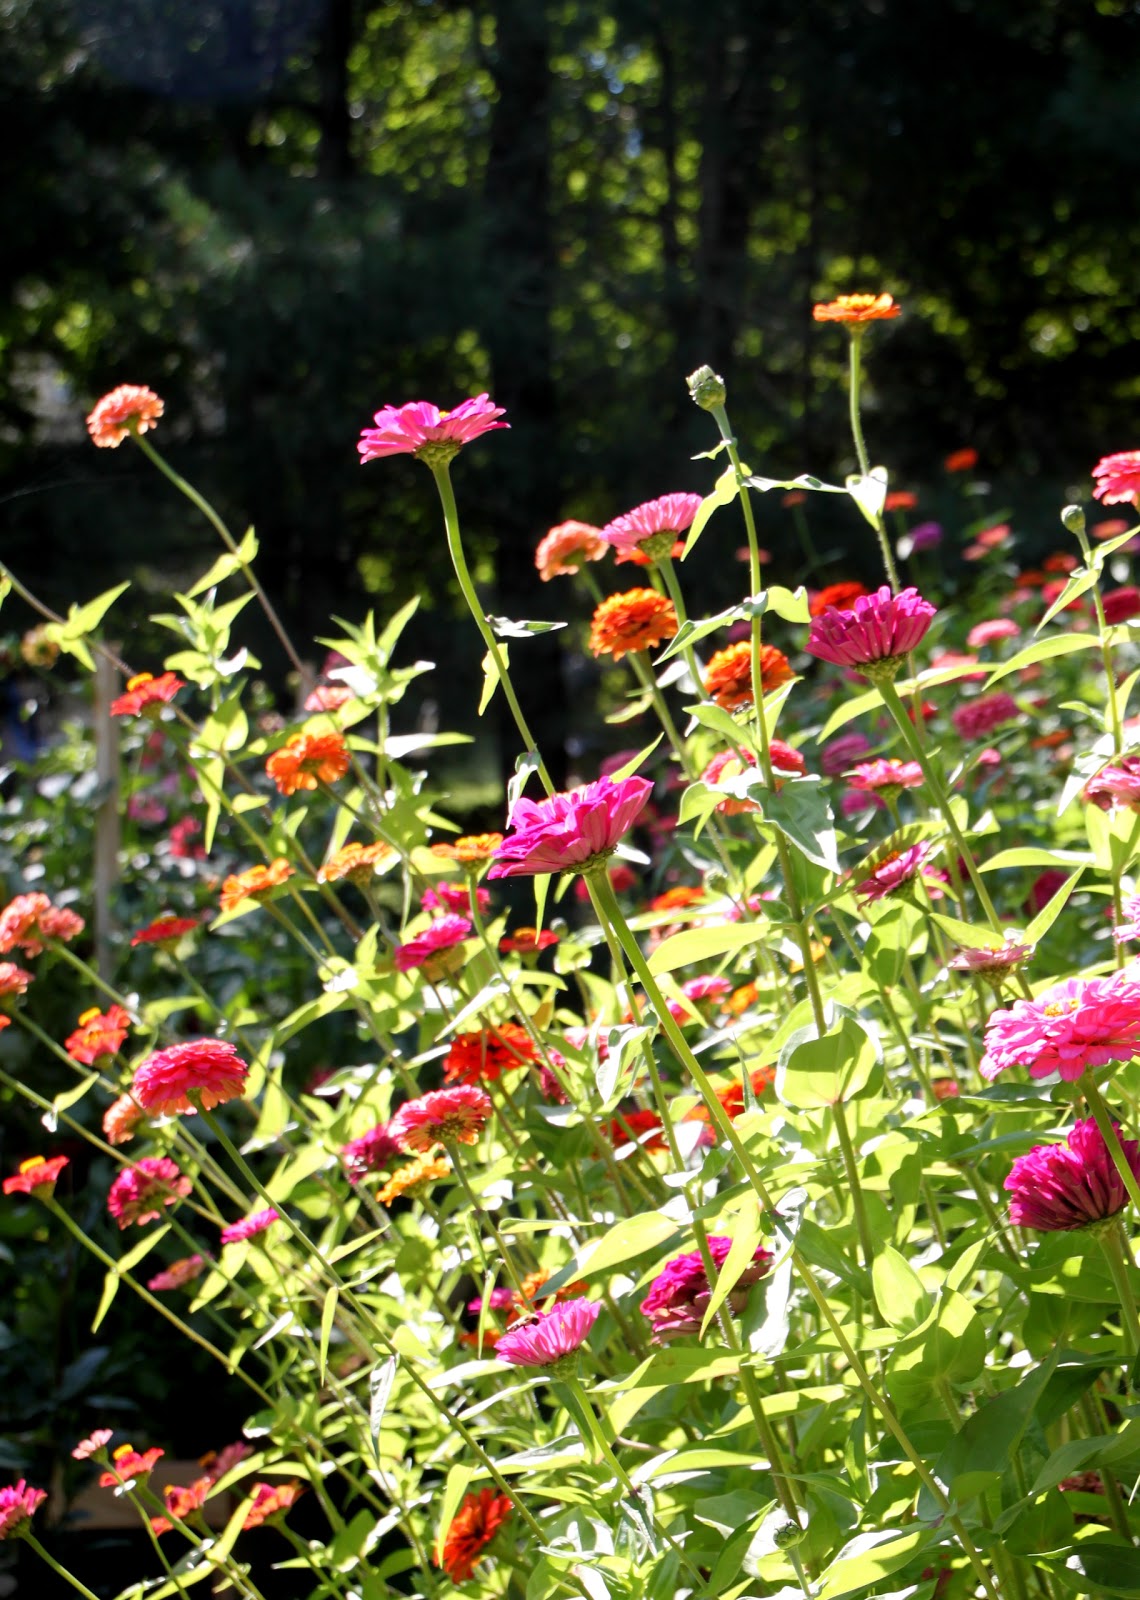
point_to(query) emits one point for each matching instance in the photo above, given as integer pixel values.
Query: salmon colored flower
(856, 308)
(728, 676)
(129, 1466)
(473, 1527)
(370, 1152)
(436, 949)
(992, 962)
(639, 619)
(30, 920)
(1117, 478)
(564, 549)
(1109, 527)
(249, 1227)
(14, 981)
(654, 525)
(86, 1448)
(836, 594)
(1077, 1024)
(98, 1034)
(550, 1336)
(442, 1116)
(411, 1176)
(308, 759)
(359, 863)
(121, 1119)
(874, 633)
(679, 1296)
(271, 1500)
(527, 941)
(181, 1501)
(131, 408)
(572, 832)
(138, 1193)
(254, 881)
(38, 1175)
(1057, 1188)
(218, 1462)
(195, 1076)
(18, 1503)
(144, 691)
(471, 850)
(974, 719)
(961, 460)
(484, 1056)
(422, 430)
(178, 1274)
(164, 930)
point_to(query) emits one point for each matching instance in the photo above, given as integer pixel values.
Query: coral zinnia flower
(475, 1524)
(164, 930)
(422, 430)
(1077, 1024)
(178, 1274)
(189, 1077)
(308, 759)
(98, 1034)
(370, 1152)
(836, 594)
(14, 981)
(527, 941)
(145, 690)
(550, 1337)
(885, 777)
(470, 850)
(121, 1119)
(639, 619)
(254, 881)
(484, 1056)
(728, 676)
(30, 919)
(680, 1294)
(18, 1503)
(894, 872)
(443, 1116)
(328, 697)
(900, 500)
(35, 1174)
(359, 863)
(131, 408)
(1056, 1187)
(271, 1500)
(86, 1448)
(1117, 478)
(856, 308)
(424, 1169)
(130, 1466)
(250, 1227)
(566, 547)
(430, 948)
(570, 832)
(654, 525)
(678, 899)
(139, 1192)
(874, 632)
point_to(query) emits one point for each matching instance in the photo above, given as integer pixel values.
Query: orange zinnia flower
(475, 1524)
(424, 1169)
(253, 881)
(856, 308)
(308, 759)
(728, 678)
(357, 862)
(145, 690)
(961, 460)
(131, 408)
(472, 850)
(640, 619)
(678, 899)
(121, 1119)
(900, 500)
(836, 594)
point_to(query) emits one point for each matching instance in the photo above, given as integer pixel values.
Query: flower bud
(1074, 519)
(789, 1535)
(706, 389)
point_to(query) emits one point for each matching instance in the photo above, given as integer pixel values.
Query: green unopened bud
(789, 1535)
(1074, 519)
(706, 388)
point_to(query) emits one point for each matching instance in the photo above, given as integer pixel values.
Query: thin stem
(855, 368)
(1108, 1133)
(1110, 1243)
(62, 1572)
(851, 1168)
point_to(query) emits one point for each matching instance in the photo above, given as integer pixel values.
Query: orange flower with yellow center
(471, 850)
(857, 308)
(424, 1169)
(308, 759)
(254, 881)
(358, 862)
(640, 619)
(728, 677)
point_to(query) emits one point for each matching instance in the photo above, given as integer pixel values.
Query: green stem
(1108, 1132)
(855, 368)
(851, 1168)
(62, 1572)
(1111, 1245)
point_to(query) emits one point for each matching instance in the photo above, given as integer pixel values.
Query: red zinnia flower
(896, 871)
(874, 777)
(836, 594)
(1057, 1188)
(38, 1172)
(370, 1152)
(1120, 604)
(455, 897)
(139, 1192)
(130, 1465)
(856, 308)
(527, 941)
(145, 690)
(328, 697)
(422, 430)
(475, 1524)
(131, 408)
(873, 632)
(550, 1336)
(1117, 478)
(961, 460)
(443, 1116)
(484, 1056)
(900, 500)
(98, 1034)
(679, 1295)
(164, 930)
(209, 1069)
(974, 719)
(308, 759)
(631, 1128)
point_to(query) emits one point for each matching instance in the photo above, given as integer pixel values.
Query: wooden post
(107, 825)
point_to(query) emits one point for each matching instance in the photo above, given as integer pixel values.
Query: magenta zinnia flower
(427, 947)
(201, 1074)
(370, 1152)
(1077, 1024)
(874, 632)
(1057, 1187)
(1117, 478)
(838, 754)
(679, 1295)
(569, 832)
(1120, 604)
(250, 1227)
(893, 873)
(653, 526)
(444, 1116)
(1115, 785)
(706, 987)
(423, 430)
(139, 1193)
(18, 1503)
(974, 719)
(550, 1337)
(874, 776)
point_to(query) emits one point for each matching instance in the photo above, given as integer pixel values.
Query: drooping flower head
(679, 1296)
(189, 1077)
(18, 1503)
(271, 1500)
(1118, 478)
(164, 931)
(474, 1525)
(145, 691)
(38, 1175)
(639, 619)
(570, 832)
(121, 1119)
(308, 759)
(874, 634)
(1058, 1187)
(359, 863)
(369, 1152)
(249, 1227)
(98, 1034)
(253, 882)
(442, 1116)
(413, 1175)
(91, 1446)
(483, 1056)
(436, 949)
(422, 430)
(653, 527)
(564, 549)
(178, 1274)
(30, 920)
(139, 1193)
(836, 594)
(728, 676)
(129, 1465)
(1077, 1024)
(131, 408)
(885, 777)
(550, 1337)
(856, 309)
(975, 719)
(893, 872)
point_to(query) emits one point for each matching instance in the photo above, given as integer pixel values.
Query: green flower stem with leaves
(855, 378)
(1087, 1086)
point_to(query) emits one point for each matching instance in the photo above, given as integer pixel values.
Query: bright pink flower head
(1130, 928)
(178, 1274)
(1117, 478)
(371, 1152)
(895, 872)
(838, 754)
(990, 631)
(550, 1337)
(657, 520)
(425, 949)
(974, 719)
(423, 430)
(30, 919)
(707, 987)
(250, 1227)
(456, 1115)
(86, 1448)
(1116, 785)
(139, 1193)
(454, 897)
(679, 1295)
(877, 627)
(1120, 604)
(203, 1073)
(1077, 1024)
(1058, 1187)
(871, 776)
(18, 1503)
(567, 832)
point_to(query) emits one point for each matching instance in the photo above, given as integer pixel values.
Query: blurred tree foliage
(285, 213)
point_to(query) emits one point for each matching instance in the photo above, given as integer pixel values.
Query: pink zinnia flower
(427, 947)
(877, 628)
(139, 1193)
(1077, 1024)
(444, 1116)
(992, 961)
(371, 1152)
(18, 1503)
(707, 987)
(454, 897)
(872, 776)
(896, 871)
(327, 697)
(975, 718)
(1116, 785)
(1058, 1187)
(566, 547)
(550, 1337)
(658, 521)
(1129, 929)
(201, 1074)
(990, 631)
(1120, 604)
(1117, 478)
(497, 1300)
(569, 832)
(250, 1227)
(30, 919)
(178, 1274)
(679, 1296)
(838, 754)
(420, 429)
(86, 1448)
(131, 408)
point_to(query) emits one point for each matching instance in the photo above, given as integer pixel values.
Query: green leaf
(746, 1236)
(227, 564)
(634, 762)
(504, 628)
(676, 1365)
(690, 631)
(815, 1072)
(801, 812)
(328, 1317)
(124, 1265)
(704, 944)
(1081, 1454)
(633, 1236)
(899, 1291)
(723, 494)
(491, 677)
(869, 493)
(1078, 584)
(379, 1391)
(1032, 856)
(870, 1557)
(1048, 915)
(848, 709)
(977, 1455)
(70, 634)
(1098, 1565)
(1060, 644)
(804, 481)
(458, 1478)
